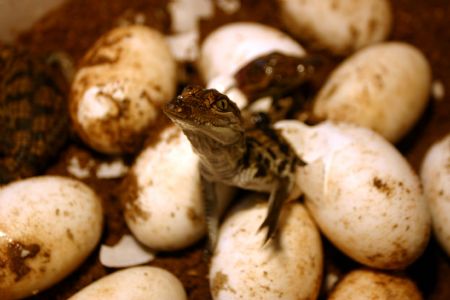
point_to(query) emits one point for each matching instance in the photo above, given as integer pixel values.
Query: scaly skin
(257, 159)
(33, 113)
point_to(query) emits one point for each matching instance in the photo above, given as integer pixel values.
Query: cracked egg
(362, 193)
(117, 92)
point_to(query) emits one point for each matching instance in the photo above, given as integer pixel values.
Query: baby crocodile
(276, 74)
(257, 159)
(290, 81)
(33, 113)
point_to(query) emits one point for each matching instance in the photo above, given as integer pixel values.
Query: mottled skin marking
(257, 159)
(33, 113)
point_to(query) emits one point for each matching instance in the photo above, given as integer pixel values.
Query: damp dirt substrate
(76, 25)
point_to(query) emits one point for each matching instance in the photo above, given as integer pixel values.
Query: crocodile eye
(221, 104)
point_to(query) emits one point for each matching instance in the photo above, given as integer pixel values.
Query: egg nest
(421, 23)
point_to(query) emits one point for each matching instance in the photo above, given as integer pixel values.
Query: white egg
(163, 197)
(138, 283)
(288, 267)
(231, 46)
(435, 174)
(384, 87)
(368, 284)
(48, 226)
(340, 26)
(122, 81)
(362, 193)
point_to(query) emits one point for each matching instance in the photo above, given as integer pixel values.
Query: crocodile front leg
(277, 197)
(212, 211)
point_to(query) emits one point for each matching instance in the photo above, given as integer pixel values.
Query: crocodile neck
(217, 160)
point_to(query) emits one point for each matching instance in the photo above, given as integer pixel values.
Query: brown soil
(76, 25)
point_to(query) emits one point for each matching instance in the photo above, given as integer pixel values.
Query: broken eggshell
(162, 194)
(289, 266)
(231, 46)
(341, 26)
(371, 284)
(121, 83)
(435, 174)
(48, 227)
(127, 252)
(384, 87)
(146, 283)
(361, 192)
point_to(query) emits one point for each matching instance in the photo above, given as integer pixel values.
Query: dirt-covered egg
(138, 283)
(48, 227)
(231, 46)
(341, 26)
(118, 90)
(162, 194)
(435, 175)
(362, 193)
(287, 267)
(384, 87)
(365, 284)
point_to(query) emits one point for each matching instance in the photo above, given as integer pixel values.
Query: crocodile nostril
(176, 107)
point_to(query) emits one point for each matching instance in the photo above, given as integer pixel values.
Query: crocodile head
(206, 112)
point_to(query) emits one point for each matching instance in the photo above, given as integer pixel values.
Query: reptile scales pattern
(33, 113)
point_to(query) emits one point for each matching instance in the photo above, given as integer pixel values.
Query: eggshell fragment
(435, 174)
(163, 196)
(186, 14)
(368, 284)
(48, 226)
(362, 193)
(289, 267)
(122, 81)
(126, 253)
(146, 283)
(384, 87)
(184, 46)
(340, 26)
(231, 46)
